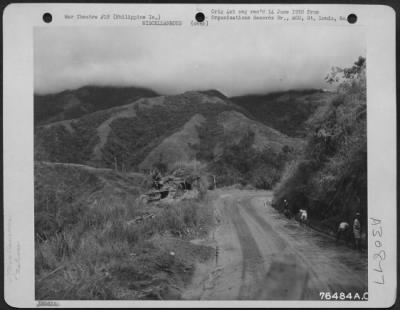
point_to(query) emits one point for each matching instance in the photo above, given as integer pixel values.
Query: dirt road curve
(263, 255)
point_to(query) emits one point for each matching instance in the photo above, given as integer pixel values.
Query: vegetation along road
(260, 254)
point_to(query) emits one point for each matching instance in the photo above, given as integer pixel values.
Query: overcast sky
(235, 60)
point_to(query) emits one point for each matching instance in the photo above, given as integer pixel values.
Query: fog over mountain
(174, 60)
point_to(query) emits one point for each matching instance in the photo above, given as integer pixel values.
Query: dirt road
(262, 255)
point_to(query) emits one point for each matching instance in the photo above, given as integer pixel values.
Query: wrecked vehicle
(173, 187)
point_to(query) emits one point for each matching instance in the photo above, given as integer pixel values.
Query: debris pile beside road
(173, 187)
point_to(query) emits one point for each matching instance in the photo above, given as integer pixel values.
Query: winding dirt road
(261, 255)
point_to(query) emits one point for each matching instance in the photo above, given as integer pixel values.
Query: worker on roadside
(303, 216)
(299, 214)
(285, 204)
(343, 232)
(286, 208)
(357, 232)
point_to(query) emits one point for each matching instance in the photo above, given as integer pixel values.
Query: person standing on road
(357, 232)
(343, 231)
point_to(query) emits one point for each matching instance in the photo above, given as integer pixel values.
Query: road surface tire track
(252, 266)
(265, 256)
(280, 243)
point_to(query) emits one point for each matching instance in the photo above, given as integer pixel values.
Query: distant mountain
(165, 130)
(286, 111)
(71, 104)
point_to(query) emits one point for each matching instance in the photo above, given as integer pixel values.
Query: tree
(338, 74)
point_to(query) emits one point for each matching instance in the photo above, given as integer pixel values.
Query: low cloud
(234, 58)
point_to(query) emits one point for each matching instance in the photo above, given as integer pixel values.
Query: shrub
(242, 163)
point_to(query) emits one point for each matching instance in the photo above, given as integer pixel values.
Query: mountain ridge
(166, 130)
(70, 104)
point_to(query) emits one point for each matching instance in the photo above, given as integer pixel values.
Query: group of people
(346, 232)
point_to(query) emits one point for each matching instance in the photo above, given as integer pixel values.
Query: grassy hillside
(88, 244)
(71, 104)
(285, 111)
(165, 130)
(330, 175)
(125, 134)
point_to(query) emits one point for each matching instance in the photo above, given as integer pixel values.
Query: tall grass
(86, 247)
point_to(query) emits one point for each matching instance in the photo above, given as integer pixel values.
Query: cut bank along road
(262, 255)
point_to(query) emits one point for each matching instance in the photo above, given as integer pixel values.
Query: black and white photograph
(223, 164)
